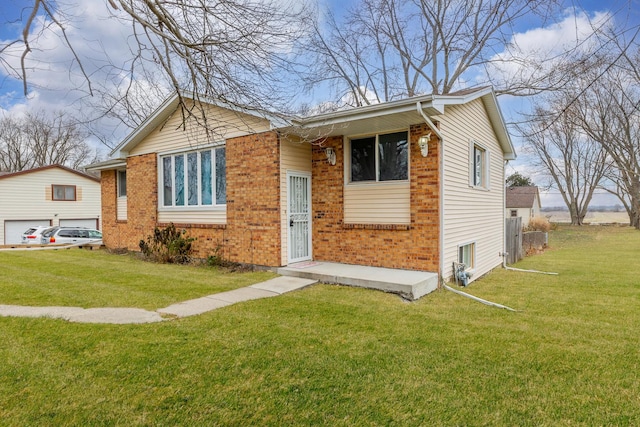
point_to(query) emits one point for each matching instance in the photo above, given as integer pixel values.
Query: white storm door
(299, 216)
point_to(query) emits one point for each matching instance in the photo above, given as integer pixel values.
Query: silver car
(71, 235)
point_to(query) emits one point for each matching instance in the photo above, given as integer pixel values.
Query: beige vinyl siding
(172, 136)
(295, 156)
(28, 196)
(386, 202)
(202, 216)
(121, 208)
(471, 215)
(381, 203)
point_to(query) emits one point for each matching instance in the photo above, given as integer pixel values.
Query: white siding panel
(193, 216)
(295, 156)
(471, 214)
(28, 196)
(173, 136)
(387, 203)
(121, 208)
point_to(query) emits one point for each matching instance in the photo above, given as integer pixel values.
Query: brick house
(411, 184)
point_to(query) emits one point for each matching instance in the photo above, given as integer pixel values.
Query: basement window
(467, 255)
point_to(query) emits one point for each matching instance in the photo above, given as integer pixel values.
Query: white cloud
(55, 80)
(535, 52)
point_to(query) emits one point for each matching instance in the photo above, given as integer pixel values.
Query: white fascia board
(497, 119)
(108, 165)
(370, 112)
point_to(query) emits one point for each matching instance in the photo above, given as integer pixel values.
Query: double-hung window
(194, 178)
(382, 157)
(63, 192)
(478, 166)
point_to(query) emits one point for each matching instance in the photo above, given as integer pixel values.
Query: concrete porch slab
(411, 285)
(283, 284)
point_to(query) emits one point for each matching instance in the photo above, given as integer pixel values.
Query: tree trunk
(576, 217)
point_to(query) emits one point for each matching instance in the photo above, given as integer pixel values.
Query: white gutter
(441, 175)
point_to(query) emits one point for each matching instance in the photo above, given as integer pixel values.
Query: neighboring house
(411, 184)
(523, 202)
(49, 195)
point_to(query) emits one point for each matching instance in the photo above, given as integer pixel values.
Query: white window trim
(187, 207)
(118, 185)
(347, 162)
(486, 185)
(474, 255)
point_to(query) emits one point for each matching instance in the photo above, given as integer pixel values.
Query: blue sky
(51, 81)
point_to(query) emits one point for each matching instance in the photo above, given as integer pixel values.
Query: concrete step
(411, 285)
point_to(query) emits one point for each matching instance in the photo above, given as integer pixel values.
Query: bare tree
(39, 140)
(575, 163)
(387, 49)
(610, 114)
(239, 53)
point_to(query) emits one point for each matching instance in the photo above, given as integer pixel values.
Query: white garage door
(13, 229)
(89, 223)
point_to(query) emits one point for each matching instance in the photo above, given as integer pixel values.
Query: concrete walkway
(270, 288)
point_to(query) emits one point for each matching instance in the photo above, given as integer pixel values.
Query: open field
(338, 356)
(592, 217)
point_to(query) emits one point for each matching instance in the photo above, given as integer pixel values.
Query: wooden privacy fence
(513, 231)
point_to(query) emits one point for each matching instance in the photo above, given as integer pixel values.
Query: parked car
(33, 234)
(71, 235)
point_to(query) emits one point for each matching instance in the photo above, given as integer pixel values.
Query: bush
(168, 246)
(538, 223)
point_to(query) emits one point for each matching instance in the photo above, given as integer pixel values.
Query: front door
(299, 216)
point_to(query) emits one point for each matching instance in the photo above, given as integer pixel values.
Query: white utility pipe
(483, 301)
(529, 271)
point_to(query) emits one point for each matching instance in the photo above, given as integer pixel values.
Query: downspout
(436, 131)
(504, 209)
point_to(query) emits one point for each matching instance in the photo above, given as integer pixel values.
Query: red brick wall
(412, 247)
(142, 199)
(253, 199)
(252, 232)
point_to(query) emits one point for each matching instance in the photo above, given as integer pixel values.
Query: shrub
(538, 223)
(168, 246)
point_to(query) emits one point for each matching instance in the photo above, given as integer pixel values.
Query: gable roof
(522, 197)
(42, 168)
(409, 111)
(164, 112)
(366, 119)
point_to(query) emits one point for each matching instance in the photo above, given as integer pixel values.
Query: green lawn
(86, 279)
(339, 356)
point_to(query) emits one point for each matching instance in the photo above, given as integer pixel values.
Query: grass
(339, 356)
(100, 279)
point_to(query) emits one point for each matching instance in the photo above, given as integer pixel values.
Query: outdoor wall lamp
(423, 143)
(331, 155)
